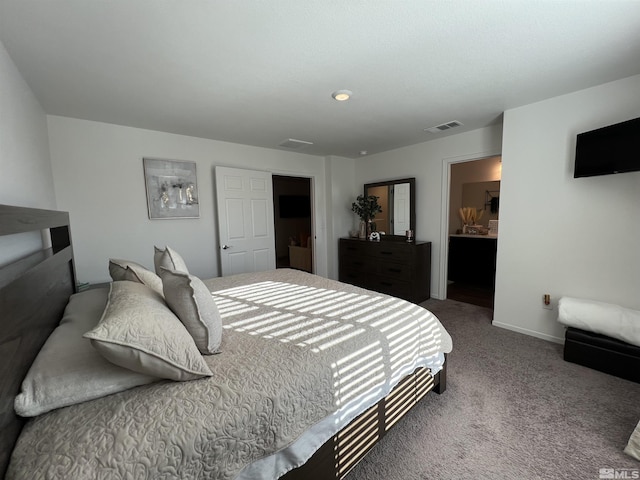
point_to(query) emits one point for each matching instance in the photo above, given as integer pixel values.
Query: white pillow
(139, 332)
(192, 302)
(169, 259)
(134, 272)
(68, 370)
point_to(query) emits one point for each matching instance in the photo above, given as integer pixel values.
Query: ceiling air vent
(443, 126)
(294, 144)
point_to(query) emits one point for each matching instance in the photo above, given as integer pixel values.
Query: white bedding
(604, 318)
(300, 357)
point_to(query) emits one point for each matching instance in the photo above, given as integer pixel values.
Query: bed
(313, 425)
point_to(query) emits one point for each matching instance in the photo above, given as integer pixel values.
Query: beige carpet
(513, 409)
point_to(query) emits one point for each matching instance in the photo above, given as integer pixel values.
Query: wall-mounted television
(607, 150)
(294, 206)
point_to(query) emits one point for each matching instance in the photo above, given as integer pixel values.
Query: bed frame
(336, 458)
(34, 292)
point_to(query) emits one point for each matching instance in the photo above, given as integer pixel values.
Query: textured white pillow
(68, 370)
(139, 332)
(192, 302)
(169, 259)
(134, 272)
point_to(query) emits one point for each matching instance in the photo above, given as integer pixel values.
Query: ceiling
(260, 72)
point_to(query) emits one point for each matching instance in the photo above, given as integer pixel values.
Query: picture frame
(172, 188)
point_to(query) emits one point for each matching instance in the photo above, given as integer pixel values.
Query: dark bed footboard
(345, 449)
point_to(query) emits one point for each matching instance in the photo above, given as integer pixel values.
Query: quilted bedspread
(297, 350)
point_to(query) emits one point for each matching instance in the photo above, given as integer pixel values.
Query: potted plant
(366, 207)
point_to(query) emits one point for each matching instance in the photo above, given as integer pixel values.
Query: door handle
(225, 247)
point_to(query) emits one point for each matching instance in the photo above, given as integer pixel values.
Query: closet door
(245, 220)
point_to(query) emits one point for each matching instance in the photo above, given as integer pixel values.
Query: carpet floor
(513, 409)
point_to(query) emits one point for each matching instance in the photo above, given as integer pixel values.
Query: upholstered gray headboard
(33, 294)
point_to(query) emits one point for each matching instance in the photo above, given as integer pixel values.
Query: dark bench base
(602, 353)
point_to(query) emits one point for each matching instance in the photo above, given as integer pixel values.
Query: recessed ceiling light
(342, 95)
(363, 152)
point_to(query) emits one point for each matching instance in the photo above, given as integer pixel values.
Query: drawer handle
(395, 270)
(358, 263)
(386, 253)
(386, 284)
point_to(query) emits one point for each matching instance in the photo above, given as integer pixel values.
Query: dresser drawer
(350, 249)
(403, 271)
(396, 252)
(355, 277)
(390, 286)
(356, 262)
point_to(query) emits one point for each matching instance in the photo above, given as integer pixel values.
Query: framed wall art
(172, 189)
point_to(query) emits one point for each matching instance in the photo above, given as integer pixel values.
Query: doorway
(471, 252)
(293, 223)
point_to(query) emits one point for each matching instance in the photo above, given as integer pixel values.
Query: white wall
(25, 170)
(26, 177)
(560, 235)
(341, 186)
(99, 179)
(425, 162)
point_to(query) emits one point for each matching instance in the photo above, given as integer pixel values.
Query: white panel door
(401, 202)
(245, 220)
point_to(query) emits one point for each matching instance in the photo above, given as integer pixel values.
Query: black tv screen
(294, 206)
(607, 150)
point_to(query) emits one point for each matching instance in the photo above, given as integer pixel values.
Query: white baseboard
(543, 336)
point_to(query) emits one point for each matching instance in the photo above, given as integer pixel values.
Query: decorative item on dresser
(366, 207)
(396, 268)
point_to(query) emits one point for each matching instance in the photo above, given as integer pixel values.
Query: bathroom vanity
(472, 260)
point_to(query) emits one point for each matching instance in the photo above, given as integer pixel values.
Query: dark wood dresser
(396, 268)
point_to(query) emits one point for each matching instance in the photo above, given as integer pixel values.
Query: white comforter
(300, 354)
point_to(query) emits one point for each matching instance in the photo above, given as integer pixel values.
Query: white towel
(604, 318)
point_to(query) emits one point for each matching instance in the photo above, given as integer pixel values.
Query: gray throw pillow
(68, 370)
(134, 272)
(169, 259)
(192, 302)
(139, 332)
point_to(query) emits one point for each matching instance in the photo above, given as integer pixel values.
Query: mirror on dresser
(397, 199)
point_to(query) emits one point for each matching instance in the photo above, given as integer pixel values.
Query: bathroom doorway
(474, 191)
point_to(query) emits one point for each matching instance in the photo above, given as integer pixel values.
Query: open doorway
(471, 259)
(293, 223)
